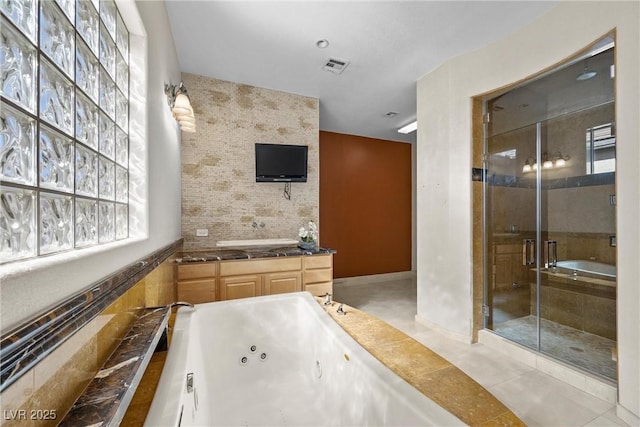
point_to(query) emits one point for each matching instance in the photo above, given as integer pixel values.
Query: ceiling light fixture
(586, 74)
(178, 101)
(409, 128)
(321, 44)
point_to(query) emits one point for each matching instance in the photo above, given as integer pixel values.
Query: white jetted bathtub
(590, 267)
(279, 361)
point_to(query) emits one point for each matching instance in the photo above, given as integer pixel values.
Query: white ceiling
(389, 44)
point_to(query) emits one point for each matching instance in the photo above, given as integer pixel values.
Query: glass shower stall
(549, 232)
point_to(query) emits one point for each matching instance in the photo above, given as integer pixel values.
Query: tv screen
(281, 163)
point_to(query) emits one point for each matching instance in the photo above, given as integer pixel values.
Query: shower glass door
(549, 216)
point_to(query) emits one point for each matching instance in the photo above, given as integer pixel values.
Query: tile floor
(537, 398)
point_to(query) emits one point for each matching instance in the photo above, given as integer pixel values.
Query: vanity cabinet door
(197, 291)
(281, 283)
(240, 287)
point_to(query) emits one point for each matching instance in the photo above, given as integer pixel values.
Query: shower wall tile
(600, 316)
(219, 191)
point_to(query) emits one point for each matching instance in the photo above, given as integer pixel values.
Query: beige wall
(219, 191)
(444, 158)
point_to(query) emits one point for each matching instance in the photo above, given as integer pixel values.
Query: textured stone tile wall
(219, 191)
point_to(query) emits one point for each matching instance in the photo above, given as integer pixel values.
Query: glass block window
(64, 126)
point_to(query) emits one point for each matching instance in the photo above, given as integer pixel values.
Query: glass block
(23, 14)
(122, 38)
(122, 222)
(122, 184)
(122, 74)
(68, 7)
(106, 222)
(86, 121)
(107, 94)
(18, 63)
(56, 98)
(56, 223)
(87, 70)
(17, 224)
(107, 52)
(57, 36)
(86, 172)
(86, 222)
(108, 16)
(122, 110)
(122, 147)
(56, 161)
(17, 146)
(88, 24)
(106, 179)
(107, 136)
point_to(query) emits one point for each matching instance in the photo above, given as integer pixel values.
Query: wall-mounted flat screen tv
(281, 163)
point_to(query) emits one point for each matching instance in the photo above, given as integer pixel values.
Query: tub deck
(433, 375)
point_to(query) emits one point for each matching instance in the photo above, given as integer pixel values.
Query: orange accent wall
(365, 204)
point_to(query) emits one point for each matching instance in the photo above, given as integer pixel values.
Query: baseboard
(595, 386)
(443, 331)
(627, 416)
(374, 278)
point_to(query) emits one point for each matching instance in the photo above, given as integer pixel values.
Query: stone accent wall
(219, 191)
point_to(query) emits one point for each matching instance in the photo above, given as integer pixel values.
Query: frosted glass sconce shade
(180, 105)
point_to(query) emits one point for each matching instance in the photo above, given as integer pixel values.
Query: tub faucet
(340, 310)
(327, 299)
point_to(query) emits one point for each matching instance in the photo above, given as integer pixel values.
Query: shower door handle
(529, 252)
(550, 254)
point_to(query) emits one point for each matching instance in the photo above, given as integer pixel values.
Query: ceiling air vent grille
(335, 66)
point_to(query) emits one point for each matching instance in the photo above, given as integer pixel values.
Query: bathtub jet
(279, 360)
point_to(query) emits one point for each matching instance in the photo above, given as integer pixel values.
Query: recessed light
(322, 43)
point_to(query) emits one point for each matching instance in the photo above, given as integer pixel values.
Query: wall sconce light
(178, 101)
(555, 160)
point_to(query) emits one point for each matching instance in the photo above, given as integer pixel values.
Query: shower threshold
(586, 379)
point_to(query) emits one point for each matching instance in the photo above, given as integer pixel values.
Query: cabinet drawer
(197, 291)
(320, 289)
(319, 275)
(196, 270)
(318, 261)
(257, 266)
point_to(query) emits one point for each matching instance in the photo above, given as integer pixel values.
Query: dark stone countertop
(247, 253)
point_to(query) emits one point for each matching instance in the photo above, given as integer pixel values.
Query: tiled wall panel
(53, 385)
(219, 191)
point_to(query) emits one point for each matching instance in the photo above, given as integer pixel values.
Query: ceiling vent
(335, 66)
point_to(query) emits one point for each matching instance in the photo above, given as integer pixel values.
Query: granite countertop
(247, 253)
(107, 397)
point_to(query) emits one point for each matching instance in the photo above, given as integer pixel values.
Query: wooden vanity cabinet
(266, 276)
(232, 279)
(318, 274)
(196, 282)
